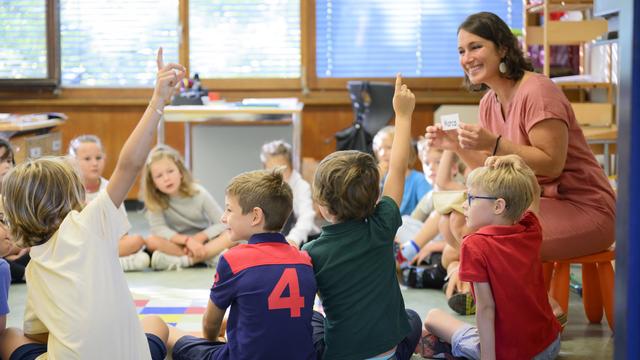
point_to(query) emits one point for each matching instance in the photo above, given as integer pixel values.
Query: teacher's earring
(502, 67)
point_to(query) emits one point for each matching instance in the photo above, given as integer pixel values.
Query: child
(5, 273)
(268, 284)
(89, 155)
(78, 304)
(353, 257)
(184, 217)
(16, 257)
(502, 261)
(415, 185)
(301, 224)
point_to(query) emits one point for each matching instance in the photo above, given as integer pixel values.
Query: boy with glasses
(501, 260)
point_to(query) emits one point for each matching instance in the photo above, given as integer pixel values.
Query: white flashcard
(449, 121)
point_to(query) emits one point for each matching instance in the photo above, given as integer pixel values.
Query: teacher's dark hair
(489, 26)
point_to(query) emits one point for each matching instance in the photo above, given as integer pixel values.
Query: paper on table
(449, 121)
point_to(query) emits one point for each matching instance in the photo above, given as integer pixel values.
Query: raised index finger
(159, 60)
(398, 82)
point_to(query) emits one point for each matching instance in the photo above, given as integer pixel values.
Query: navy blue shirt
(5, 281)
(270, 287)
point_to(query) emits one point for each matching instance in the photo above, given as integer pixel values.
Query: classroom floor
(180, 296)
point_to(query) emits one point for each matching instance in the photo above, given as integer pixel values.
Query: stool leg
(547, 273)
(591, 296)
(560, 285)
(607, 283)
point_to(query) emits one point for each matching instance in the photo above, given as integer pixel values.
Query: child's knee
(156, 326)
(432, 318)
(152, 242)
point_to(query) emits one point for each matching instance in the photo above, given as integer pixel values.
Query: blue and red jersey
(271, 288)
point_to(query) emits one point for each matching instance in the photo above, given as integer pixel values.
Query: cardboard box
(30, 146)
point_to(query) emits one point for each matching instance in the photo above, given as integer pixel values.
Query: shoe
(162, 261)
(424, 277)
(462, 303)
(135, 262)
(430, 347)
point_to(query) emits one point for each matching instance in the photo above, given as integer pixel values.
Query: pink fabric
(577, 210)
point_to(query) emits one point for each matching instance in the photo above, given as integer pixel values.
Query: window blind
(244, 38)
(23, 40)
(378, 38)
(113, 43)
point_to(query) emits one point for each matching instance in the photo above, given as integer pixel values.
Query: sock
(409, 250)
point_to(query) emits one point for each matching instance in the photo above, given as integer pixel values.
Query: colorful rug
(182, 308)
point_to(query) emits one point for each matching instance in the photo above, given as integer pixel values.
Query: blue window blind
(23, 39)
(378, 38)
(244, 38)
(113, 43)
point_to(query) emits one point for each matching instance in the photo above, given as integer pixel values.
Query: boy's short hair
(267, 190)
(347, 183)
(511, 180)
(37, 196)
(78, 140)
(276, 148)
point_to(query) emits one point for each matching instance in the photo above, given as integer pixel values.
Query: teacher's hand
(475, 137)
(440, 139)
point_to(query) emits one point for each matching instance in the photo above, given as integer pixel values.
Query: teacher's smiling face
(479, 57)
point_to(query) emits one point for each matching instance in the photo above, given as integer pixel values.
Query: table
(223, 140)
(604, 136)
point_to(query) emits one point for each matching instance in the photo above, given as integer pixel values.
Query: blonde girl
(89, 156)
(183, 216)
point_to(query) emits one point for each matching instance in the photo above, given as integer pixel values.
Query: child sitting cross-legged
(501, 259)
(268, 283)
(184, 218)
(353, 258)
(78, 304)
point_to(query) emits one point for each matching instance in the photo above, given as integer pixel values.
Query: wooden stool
(597, 284)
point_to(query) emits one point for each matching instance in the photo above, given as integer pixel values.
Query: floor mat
(182, 308)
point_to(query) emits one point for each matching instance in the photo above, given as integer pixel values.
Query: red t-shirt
(507, 257)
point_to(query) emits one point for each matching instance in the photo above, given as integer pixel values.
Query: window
(23, 39)
(244, 38)
(112, 43)
(378, 38)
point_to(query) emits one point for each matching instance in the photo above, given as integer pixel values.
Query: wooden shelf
(31, 125)
(567, 32)
(558, 5)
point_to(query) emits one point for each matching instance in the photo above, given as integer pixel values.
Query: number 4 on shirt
(294, 302)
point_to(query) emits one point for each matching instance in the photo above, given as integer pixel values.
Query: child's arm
(444, 180)
(403, 104)
(213, 212)
(136, 148)
(212, 321)
(485, 320)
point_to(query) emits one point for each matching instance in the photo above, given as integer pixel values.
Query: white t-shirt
(77, 291)
(90, 196)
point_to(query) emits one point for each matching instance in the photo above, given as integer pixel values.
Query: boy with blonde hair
(268, 283)
(365, 314)
(78, 303)
(501, 259)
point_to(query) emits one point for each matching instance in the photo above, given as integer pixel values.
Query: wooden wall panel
(114, 123)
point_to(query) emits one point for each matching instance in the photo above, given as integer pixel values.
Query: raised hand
(403, 100)
(168, 79)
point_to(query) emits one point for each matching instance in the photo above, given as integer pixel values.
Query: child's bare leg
(442, 324)
(130, 244)
(449, 255)
(215, 246)
(458, 225)
(154, 325)
(11, 339)
(445, 229)
(163, 245)
(174, 336)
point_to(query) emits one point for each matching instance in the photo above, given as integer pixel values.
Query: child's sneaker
(430, 347)
(135, 262)
(462, 303)
(162, 261)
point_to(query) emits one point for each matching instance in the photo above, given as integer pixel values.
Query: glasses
(473, 197)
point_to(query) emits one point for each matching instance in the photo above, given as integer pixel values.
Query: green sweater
(356, 274)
